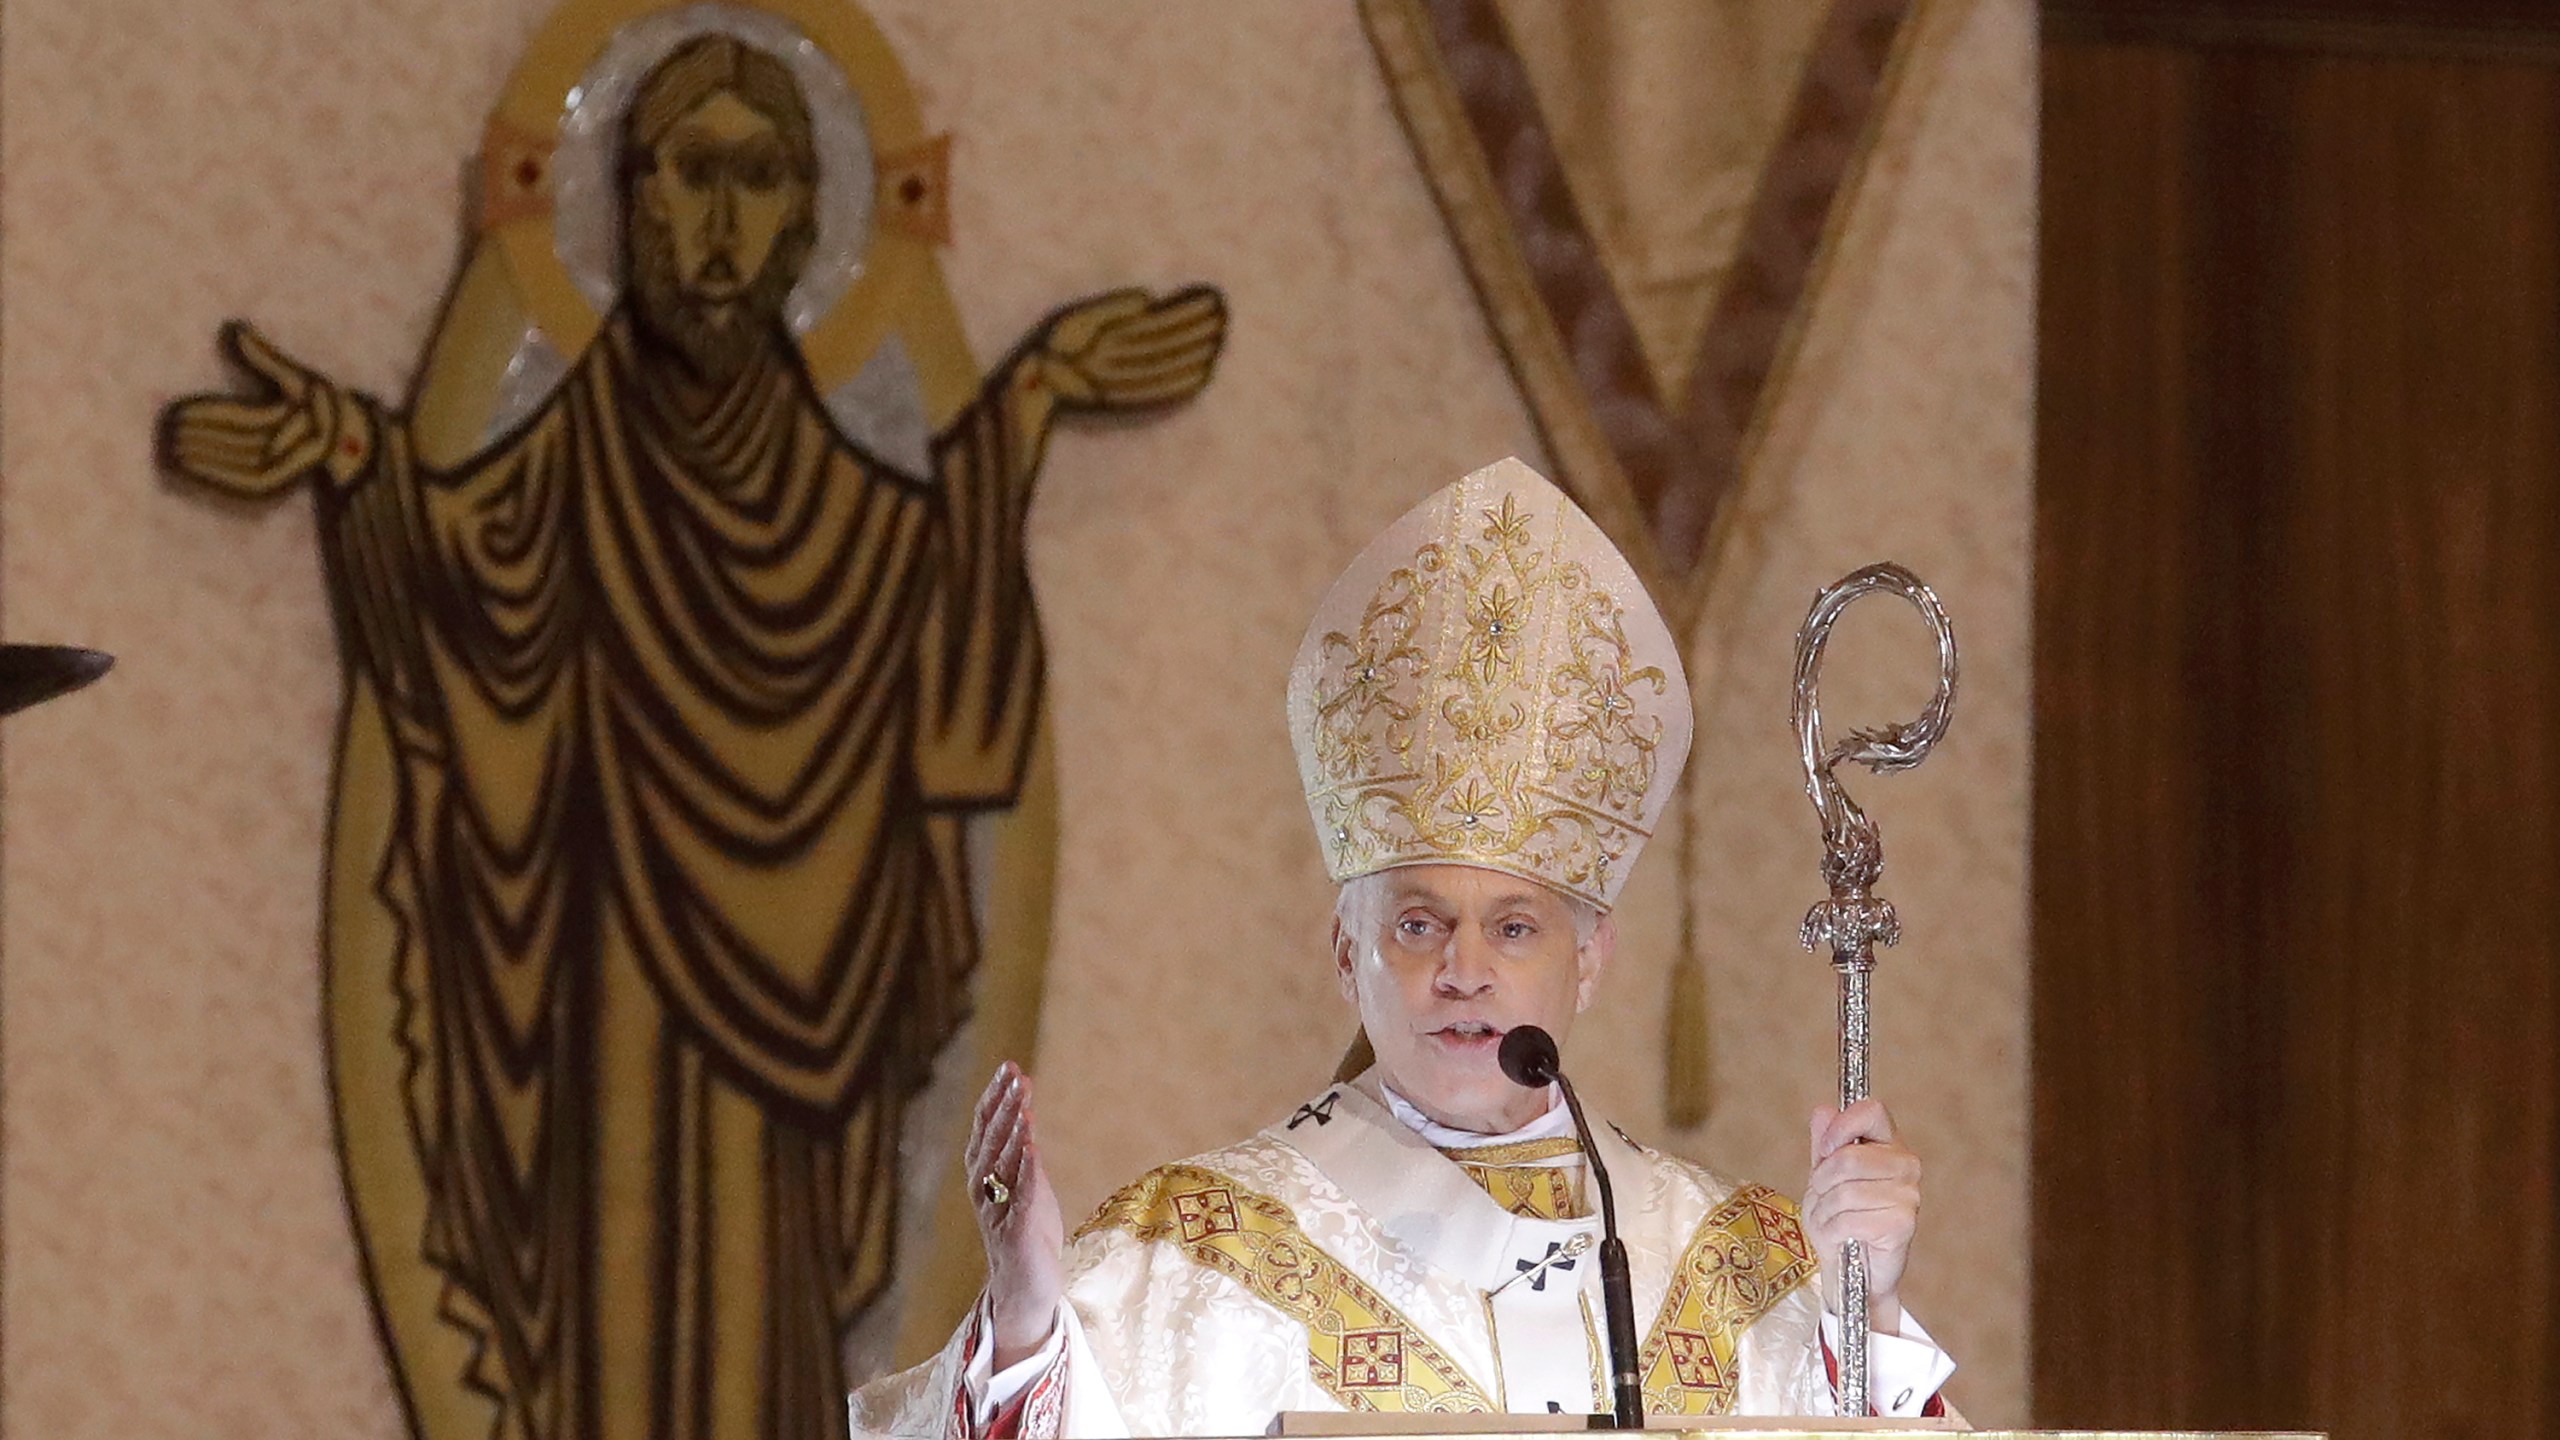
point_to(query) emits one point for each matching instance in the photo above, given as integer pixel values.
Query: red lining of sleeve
(1936, 1408)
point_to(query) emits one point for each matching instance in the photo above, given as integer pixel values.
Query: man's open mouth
(1469, 1033)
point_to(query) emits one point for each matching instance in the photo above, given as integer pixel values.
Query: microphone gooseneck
(1529, 1058)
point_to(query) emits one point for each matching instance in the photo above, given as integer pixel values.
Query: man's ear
(1342, 958)
(1591, 959)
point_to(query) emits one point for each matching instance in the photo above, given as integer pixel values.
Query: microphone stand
(1617, 1297)
(1529, 1058)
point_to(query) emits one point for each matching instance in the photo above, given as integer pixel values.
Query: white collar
(1426, 1206)
(1556, 1121)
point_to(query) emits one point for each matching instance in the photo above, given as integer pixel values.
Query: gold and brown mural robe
(690, 697)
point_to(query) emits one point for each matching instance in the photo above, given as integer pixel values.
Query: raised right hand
(292, 422)
(1024, 1234)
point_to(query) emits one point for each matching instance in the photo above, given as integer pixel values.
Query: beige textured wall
(176, 1258)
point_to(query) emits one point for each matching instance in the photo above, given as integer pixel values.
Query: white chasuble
(1338, 1261)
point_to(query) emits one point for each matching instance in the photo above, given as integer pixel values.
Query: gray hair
(1360, 907)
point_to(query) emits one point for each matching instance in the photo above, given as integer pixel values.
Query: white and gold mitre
(1488, 684)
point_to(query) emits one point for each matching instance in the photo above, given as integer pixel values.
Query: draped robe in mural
(691, 697)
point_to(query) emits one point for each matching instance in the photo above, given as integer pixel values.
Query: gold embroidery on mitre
(1748, 1254)
(1488, 704)
(1364, 1352)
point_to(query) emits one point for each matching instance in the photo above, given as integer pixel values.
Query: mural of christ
(690, 695)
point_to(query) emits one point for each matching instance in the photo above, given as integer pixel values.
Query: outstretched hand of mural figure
(1129, 350)
(1018, 1218)
(292, 421)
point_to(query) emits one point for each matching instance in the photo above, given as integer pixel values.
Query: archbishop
(1490, 716)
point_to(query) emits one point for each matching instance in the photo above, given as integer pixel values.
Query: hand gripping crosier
(1855, 919)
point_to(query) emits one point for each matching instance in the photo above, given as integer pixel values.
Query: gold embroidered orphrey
(1488, 684)
(691, 784)
(1748, 1254)
(1360, 1349)
(1535, 1192)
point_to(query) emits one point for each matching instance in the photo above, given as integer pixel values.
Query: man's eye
(1414, 925)
(764, 172)
(699, 170)
(1517, 930)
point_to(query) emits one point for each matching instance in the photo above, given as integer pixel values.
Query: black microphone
(1529, 1058)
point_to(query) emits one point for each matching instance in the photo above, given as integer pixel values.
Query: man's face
(1461, 957)
(724, 188)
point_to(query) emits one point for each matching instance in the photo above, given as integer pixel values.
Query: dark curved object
(1528, 1056)
(33, 674)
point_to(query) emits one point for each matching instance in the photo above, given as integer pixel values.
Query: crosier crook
(1855, 920)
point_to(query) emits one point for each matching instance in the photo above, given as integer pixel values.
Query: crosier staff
(1855, 920)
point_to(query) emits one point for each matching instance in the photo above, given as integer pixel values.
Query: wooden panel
(2429, 13)
(2298, 612)
(2522, 29)
(2136, 843)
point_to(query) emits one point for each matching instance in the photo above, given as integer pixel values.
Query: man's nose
(1466, 971)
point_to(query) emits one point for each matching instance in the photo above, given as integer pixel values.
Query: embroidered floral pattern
(1488, 705)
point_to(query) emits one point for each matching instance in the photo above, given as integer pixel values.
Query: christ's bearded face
(720, 224)
(725, 189)
(1443, 961)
